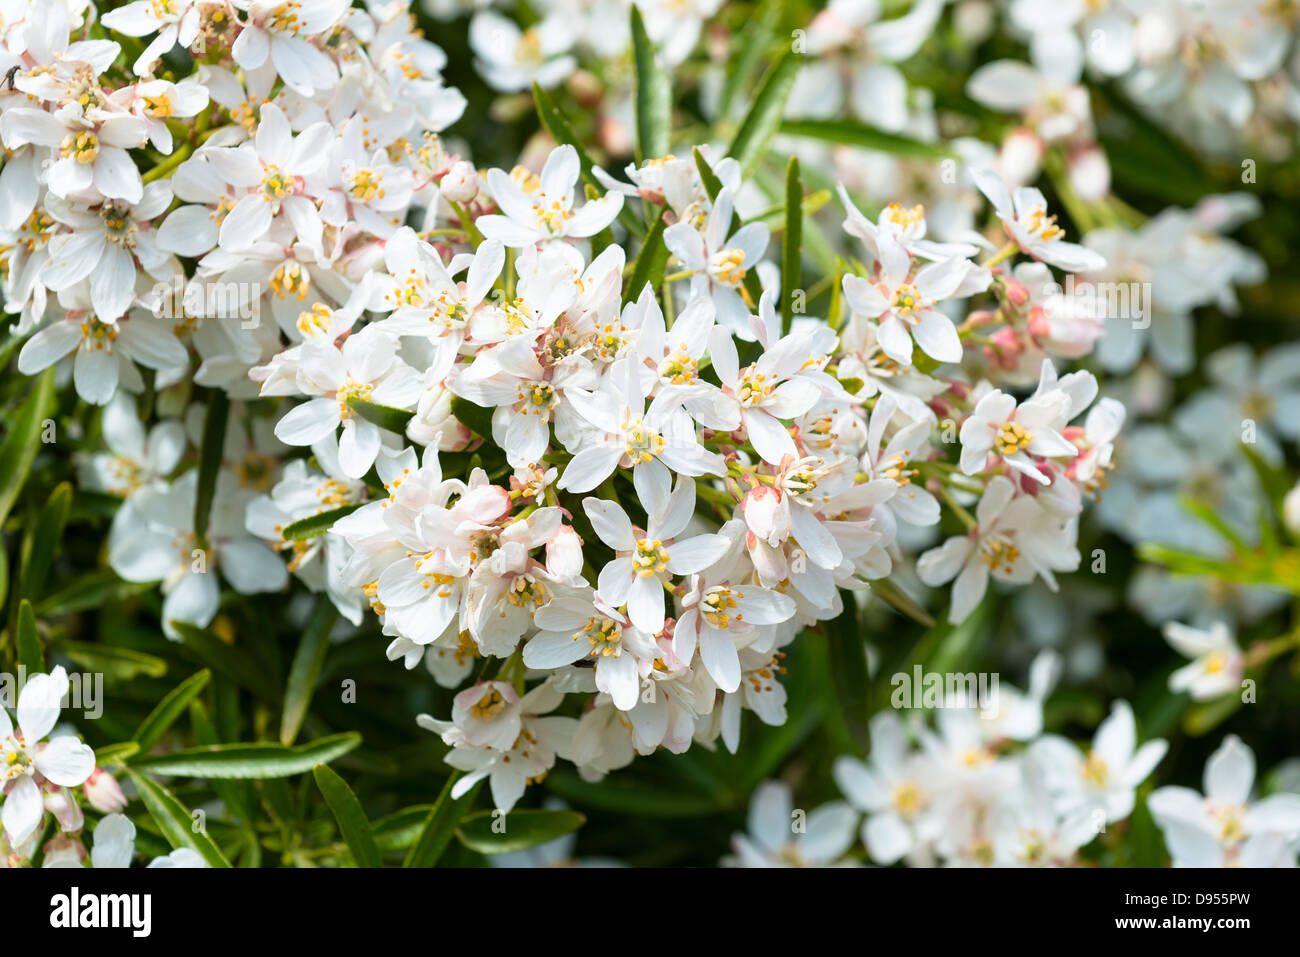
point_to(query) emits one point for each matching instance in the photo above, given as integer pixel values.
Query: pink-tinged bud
(64, 851)
(766, 514)
(1008, 341)
(586, 88)
(460, 185)
(1016, 293)
(564, 554)
(103, 792)
(1039, 326)
(60, 802)
(615, 136)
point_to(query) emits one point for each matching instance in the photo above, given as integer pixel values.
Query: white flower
(1217, 663)
(719, 618)
(903, 302)
(775, 841)
(767, 391)
(64, 760)
(135, 460)
(175, 21)
(1025, 218)
(510, 59)
(1016, 434)
(1226, 828)
(659, 439)
(153, 540)
(279, 31)
(272, 166)
(104, 244)
(541, 207)
(90, 147)
(894, 788)
(1105, 779)
(366, 368)
(645, 559)
(583, 624)
(105, 351)
(720, 260)
(1014, 540)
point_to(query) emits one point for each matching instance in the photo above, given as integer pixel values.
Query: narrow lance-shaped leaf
(764, 117)
(178, 825)
(171, 707)
(23, 439)
(317, 524)
(258, 760)
(653, 95)
(30, 654)
(305, 671)
(440, 824)
(350, 815)
(792, 241)
(214, 442)
(850, 133)
(650, 262)
(487, 833)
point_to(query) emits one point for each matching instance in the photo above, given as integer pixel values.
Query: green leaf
(401, 829)
(178, 826)
(848, 660)
(764, 117)
(554, 122)
(117, 753)
(30, 654)
(474, 417)
(317, 524)
(384, 416)
(851, 133)
(650, 262)
(755, 42)
(350, 815)
(242, 761)
(654, 105)
(210, 454)
(93, 590)
(305, 671)
(23, 439)
(791, 242)
(155, 725)
(523, 829)
(113, 661)
(46, 538)
(440, 824)
(229, 660)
